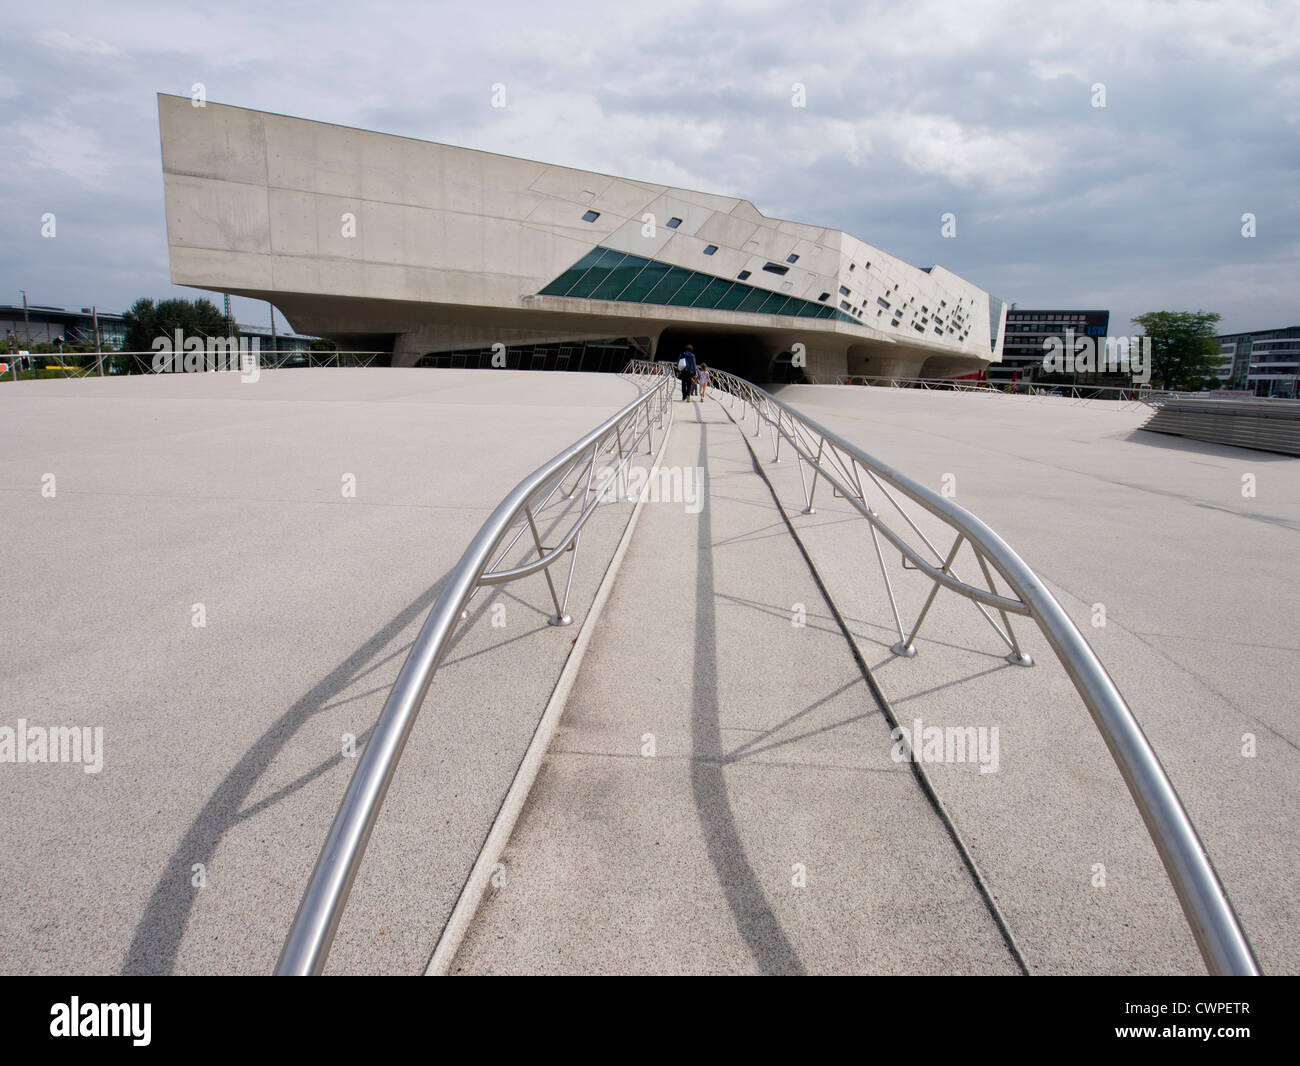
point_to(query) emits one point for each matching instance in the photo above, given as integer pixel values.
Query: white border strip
(471, 896)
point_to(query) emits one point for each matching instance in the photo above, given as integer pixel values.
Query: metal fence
(1081, 394)
(217, 359)
(871, 488)
(552, 503)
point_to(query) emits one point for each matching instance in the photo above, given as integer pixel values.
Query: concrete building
(1023, 352)
(423, 249)
(1265, 361)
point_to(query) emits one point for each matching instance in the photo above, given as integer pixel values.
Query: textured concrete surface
(222, 744)
(769, 831)
(1197, 584)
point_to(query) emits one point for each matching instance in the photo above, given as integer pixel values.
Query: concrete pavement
(223, 762)
(1177, 560)
(222, 766)
(1108, 521)
(720, 797)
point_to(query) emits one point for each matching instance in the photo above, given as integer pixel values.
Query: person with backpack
(686, 371)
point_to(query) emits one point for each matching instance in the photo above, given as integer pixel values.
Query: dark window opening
(590, 216)
(776, 268)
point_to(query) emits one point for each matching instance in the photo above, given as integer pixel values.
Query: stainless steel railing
(1125, 395)
(612, 445)
(858, 477)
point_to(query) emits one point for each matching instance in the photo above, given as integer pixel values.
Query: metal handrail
(307, 947)
(1032, 389)
(1213, 922)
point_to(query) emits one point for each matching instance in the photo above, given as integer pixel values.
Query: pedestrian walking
(687, 370)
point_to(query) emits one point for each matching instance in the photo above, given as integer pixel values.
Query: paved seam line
(887, 709)
(471, 894)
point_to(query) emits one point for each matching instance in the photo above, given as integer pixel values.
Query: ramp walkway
(720, 795)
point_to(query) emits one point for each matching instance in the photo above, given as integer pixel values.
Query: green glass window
(731, 299)
(668, 285)
(645, 281)
(712, 293)
(605, 274)
(619, 278)
(686, 295)
(597, 273)
(565, 281)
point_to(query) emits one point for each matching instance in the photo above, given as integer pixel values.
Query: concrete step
(1243, 424)
(720, 796)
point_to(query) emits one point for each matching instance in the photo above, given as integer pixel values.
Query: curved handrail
(1213, 922)
(1137, 393)
(307, 946)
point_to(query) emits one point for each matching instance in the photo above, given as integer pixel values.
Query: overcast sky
(982, 109)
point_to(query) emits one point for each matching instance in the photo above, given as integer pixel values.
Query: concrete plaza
(222, 767)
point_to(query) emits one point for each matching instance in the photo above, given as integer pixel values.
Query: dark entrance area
(602, 356)
(737, 353)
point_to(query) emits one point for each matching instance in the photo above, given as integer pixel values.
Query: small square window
(590, 216)
(844, 290)
(743, 275)
(853, 266)
(792, 258)
(673, 222)
(776, 268)
(824, 297)
(710, 249)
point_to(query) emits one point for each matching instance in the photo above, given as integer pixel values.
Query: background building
(1023, 351)
(42, 324)
(1265, 361)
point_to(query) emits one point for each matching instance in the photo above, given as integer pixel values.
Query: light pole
(27, 328)
(99, 351)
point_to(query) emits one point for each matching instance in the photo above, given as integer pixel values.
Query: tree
(1183, 346)
(146, 321)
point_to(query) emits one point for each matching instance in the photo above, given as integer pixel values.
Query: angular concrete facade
(418, 248)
